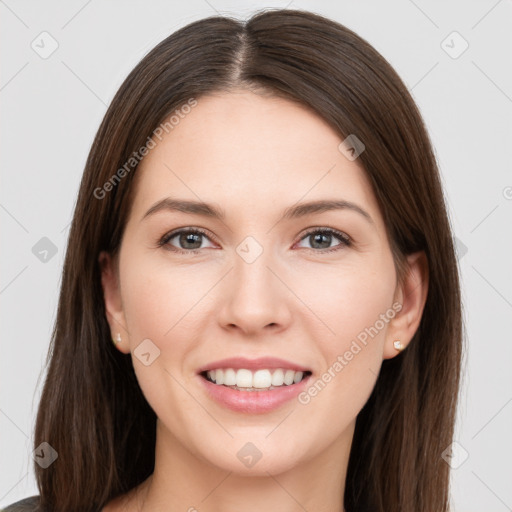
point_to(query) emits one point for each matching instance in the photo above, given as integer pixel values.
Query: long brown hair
(92, 411)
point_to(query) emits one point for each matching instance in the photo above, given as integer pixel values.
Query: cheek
(157, 298)
(147, 306)
(350, 300)
(357, 306)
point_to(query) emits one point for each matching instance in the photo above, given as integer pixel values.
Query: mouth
(263, 379)
(253, 386)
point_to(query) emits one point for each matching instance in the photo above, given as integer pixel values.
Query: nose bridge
(254, 296)
(251, 267)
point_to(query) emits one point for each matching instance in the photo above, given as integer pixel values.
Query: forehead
(242, 149)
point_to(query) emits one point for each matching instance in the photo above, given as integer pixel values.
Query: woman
(304, 352)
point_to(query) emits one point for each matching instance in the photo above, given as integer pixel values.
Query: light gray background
(51, 109)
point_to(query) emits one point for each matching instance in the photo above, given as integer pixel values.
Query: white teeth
(278, 378)
(288, 377)
(259, 379)
(230, 377)
(243, 379)
(262, 379)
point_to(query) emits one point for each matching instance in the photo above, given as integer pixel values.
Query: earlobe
(412, 295)
(113, 304)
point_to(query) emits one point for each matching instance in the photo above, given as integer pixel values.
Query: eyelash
(342, 237)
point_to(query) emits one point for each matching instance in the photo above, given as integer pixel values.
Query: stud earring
(118, 340)
(398, 345)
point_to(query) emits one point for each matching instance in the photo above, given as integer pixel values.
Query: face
(308, 289)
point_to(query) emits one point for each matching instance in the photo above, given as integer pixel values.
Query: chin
(247, 459)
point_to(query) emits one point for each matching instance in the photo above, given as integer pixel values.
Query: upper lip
(253, 364)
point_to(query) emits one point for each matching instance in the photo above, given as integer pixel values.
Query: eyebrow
(293, 212)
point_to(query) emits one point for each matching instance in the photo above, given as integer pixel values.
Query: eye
(189, 239)
(322, 238)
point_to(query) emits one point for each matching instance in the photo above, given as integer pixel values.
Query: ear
(112, 298)
(411, 295)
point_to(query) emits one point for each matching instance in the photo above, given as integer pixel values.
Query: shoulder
(24, 505)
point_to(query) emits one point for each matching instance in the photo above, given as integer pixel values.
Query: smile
(259, 380)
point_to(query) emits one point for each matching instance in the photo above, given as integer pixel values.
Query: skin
(254, 156)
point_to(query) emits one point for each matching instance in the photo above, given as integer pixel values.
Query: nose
(256, 298)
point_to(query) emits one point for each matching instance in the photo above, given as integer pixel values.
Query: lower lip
(253, 402)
